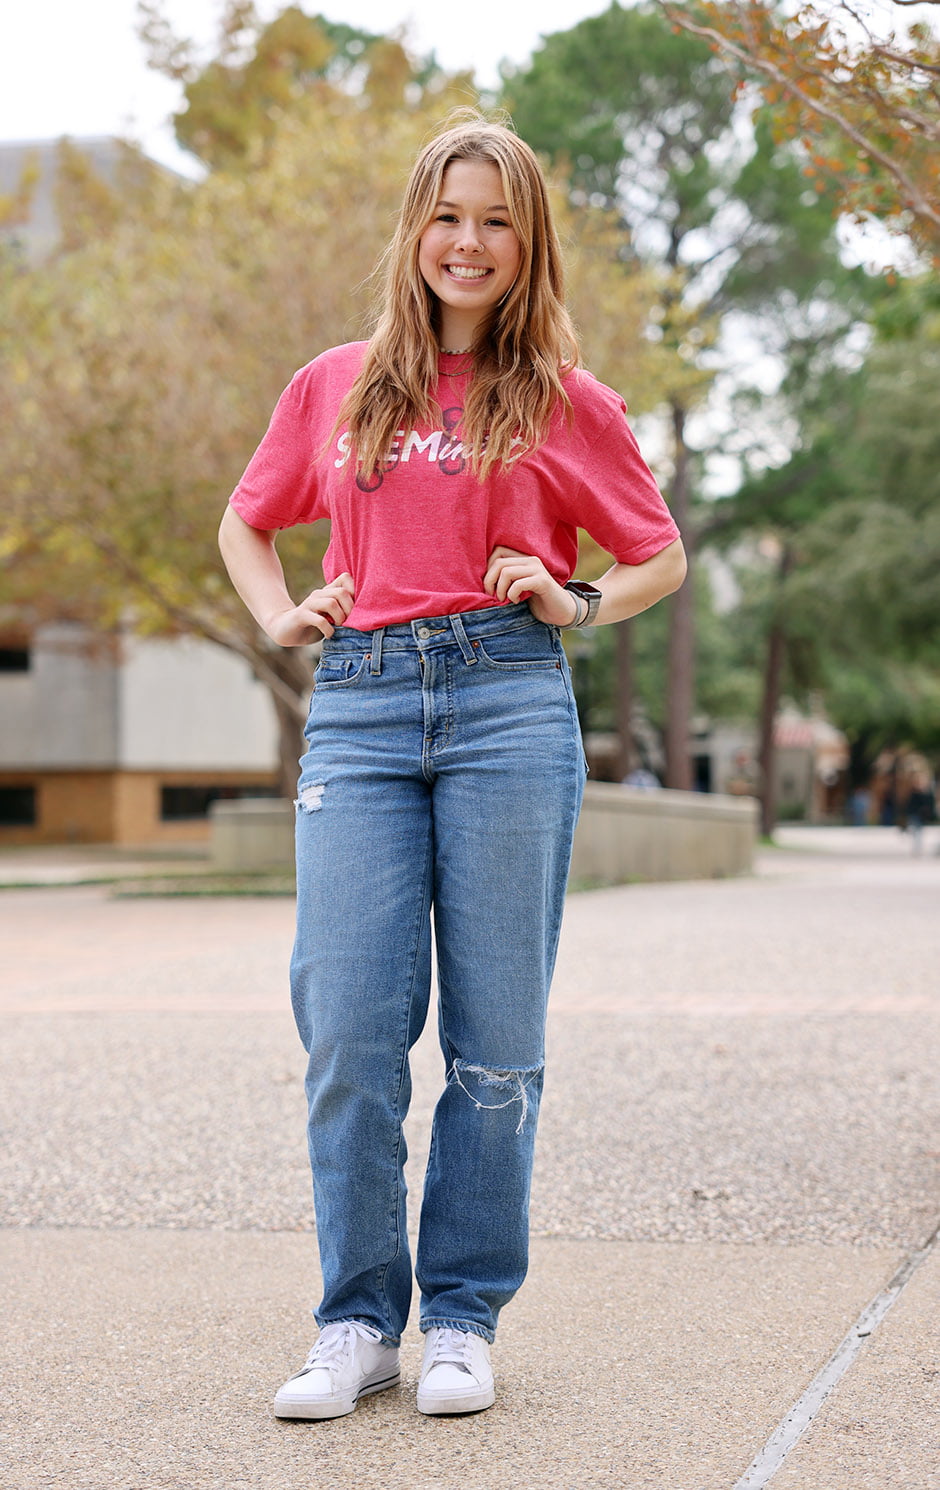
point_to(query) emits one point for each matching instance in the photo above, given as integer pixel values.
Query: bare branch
(916, 64)
(196, 623)
(913, 196)
(166, 52)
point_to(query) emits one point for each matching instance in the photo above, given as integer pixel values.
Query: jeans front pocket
(527, 649)
(340, 669)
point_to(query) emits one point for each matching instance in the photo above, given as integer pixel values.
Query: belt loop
(378, 637)
(469, 656)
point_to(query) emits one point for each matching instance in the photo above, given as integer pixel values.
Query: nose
(469, 240)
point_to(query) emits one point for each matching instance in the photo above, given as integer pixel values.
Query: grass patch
(194, 886)
(585, 883)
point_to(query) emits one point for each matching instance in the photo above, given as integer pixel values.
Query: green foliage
(727, 662)
(262, 74)
(787, 251)
(235, 104)
(645, 118)
(620, 89)
(882, 701)
(874, 550)
(856, 510)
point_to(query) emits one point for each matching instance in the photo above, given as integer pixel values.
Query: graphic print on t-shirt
(442, 447)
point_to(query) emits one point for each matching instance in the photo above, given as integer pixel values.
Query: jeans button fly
(424, 632)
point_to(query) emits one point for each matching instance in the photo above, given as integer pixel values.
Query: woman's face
(469, 254)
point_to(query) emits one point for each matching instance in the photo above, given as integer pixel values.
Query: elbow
(235, 533)
(224, 530)
(676, 567)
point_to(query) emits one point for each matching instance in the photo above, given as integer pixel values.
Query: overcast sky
(76, 67)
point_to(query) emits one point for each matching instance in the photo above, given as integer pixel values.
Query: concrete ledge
(624, 834)
(627, 834)
(252, 833)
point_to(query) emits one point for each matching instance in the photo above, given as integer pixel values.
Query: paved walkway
(739, 1150)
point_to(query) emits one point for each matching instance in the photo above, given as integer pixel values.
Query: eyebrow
(497, 206)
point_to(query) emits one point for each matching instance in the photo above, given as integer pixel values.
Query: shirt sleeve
(280, 487)
(618, 500)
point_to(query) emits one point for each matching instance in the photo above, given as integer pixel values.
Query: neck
(456, 333)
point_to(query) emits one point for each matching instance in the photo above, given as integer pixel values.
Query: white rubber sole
(314, 1409)
(437, 1405)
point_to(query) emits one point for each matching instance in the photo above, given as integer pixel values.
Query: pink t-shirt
(416, 537)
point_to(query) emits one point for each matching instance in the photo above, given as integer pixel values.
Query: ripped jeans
(443, 777)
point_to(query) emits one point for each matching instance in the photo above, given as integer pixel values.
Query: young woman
(456, 454)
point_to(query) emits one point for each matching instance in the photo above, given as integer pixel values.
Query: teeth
(464, 271)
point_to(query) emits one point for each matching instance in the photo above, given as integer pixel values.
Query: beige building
(127, 742)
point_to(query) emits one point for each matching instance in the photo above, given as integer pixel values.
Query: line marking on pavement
(763, 1468)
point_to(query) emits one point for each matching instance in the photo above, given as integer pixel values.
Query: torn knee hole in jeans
(311, 797)
(501, 1082)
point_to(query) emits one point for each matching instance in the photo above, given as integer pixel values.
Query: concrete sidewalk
(740, 1144)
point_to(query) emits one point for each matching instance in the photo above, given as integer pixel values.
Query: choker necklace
(454, 351)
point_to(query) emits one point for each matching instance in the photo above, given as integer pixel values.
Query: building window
(701, 773)
(14, 659)
(180, 804)
(18, 807)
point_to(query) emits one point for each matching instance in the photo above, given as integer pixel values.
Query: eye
(446, 217)
(497, 222)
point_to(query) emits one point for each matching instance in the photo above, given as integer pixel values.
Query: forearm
(254, 568)
(628, 589)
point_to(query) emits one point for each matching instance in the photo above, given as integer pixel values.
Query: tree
(864, 106)
(847, 532)
(646, 121)
(261, 74)
(877, 550)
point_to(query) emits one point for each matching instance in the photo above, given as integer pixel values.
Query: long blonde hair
(519, 357)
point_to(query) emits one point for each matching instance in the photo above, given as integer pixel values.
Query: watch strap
(592, 599)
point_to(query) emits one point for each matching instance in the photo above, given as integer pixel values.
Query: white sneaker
(348, 1362)
(456, 1375)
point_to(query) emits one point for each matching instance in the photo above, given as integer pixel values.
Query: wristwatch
(592, 598)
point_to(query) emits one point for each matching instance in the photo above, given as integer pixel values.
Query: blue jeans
(444, 771)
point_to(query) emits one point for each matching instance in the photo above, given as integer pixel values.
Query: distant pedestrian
(860, 807)
(920, 809)
(642, 779)
(456, 455)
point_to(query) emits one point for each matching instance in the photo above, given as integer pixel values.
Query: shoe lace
(451, 1347)
(335, 1342)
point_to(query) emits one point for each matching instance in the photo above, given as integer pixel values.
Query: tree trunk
(293, 667)
(290, 747)
(623, 682)
(770, 705)
(681, 651)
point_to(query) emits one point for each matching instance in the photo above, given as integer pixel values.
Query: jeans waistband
(428, 632)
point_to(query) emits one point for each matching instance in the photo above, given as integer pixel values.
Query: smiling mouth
(465, 271)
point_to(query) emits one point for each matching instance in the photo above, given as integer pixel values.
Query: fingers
(318, 614)
(345, 582)
(494, 567)
(513, 576)
(328, 608)
(497, 577)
